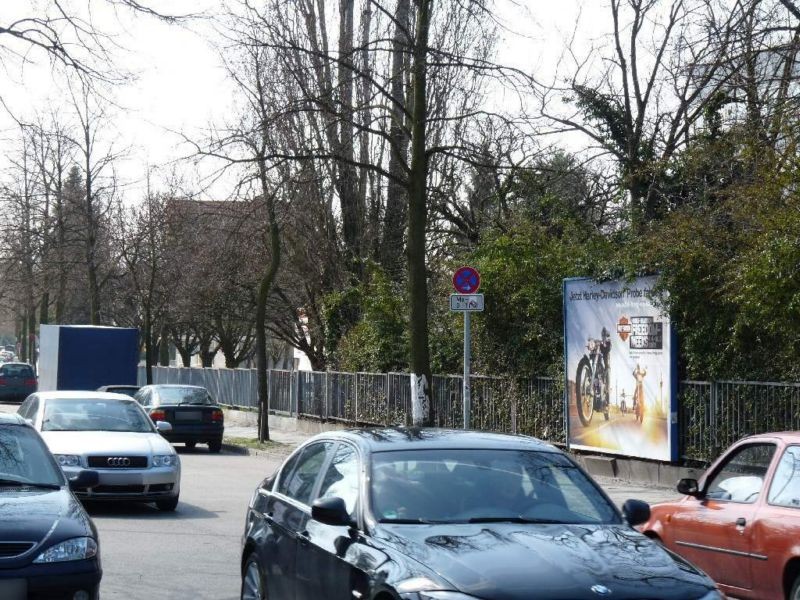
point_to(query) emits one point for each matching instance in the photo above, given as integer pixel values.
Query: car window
(299, 482)
(341, 477)
(24, 457)
(95, 415)
(741, 477)
(171, 396)
(143, 397)
(462, 485)
(29, 408)
(18, 371)
(785, 487)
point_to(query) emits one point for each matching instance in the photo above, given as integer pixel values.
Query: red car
(740, 522)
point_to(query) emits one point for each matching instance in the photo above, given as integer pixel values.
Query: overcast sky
(181, 86)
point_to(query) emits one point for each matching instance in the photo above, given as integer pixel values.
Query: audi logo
(118, 461)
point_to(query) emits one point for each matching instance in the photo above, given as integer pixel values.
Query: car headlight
(68, 460)
(165, 460)
(75, 549)
(422, 588)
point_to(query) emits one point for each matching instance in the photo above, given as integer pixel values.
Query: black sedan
(48, 544)
(417, 514)
(190, 409)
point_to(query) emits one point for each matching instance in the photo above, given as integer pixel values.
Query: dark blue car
(48, 544)
(429, 514)
(194, 415)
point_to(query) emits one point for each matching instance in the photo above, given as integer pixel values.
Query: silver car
(110, 434)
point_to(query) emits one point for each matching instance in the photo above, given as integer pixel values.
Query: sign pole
(467, 358)
(466, 282)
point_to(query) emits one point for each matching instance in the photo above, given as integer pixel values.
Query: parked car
(111, 434)
(17, 381)
(127, 390)
(194, 415)
(741, 521)
(424, 514)
(49, 546)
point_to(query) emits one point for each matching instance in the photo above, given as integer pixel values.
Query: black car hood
(42, 516)
(505, 561)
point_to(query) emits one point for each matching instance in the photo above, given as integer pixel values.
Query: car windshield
(16, 371)
(473, 486)
(183, 395)
(25, 459)
(95, 415)
(127, 391)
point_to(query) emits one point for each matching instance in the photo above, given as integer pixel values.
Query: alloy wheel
(252, 588)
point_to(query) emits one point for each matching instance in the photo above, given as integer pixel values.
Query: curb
(245, 451)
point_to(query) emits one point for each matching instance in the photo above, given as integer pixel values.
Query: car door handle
(741, 522)
(303, 538)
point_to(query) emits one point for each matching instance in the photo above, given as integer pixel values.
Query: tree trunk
(163, 349)
(417, 224)
(264, 290)
(352, 213)
(148, 345)
(394, 219)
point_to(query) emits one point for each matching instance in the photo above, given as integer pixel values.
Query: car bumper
(50, 581)
(130, 484)
(15, 393)
(194, 433)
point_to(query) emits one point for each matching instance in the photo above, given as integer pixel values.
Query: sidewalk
(289, 438)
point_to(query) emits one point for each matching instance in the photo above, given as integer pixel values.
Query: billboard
(621, 377)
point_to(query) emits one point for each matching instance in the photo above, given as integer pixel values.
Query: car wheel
(253, 587)
(168, 505)
(190, 445)
(215, 446)
(795, 593)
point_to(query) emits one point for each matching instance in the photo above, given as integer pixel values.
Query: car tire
(190, 445)
(795, 593)
(253, 585)
(167, 505)
(215, 446)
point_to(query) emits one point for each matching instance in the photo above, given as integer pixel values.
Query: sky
(180, 87)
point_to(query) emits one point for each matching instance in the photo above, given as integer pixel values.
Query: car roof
(17, 363)
(11, 419)
(80, 395)
(792, 437)
(412, 438)
(174, 385)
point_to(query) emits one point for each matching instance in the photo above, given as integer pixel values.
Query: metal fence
(711, 415)
(714, 414)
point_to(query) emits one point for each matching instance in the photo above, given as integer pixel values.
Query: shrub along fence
(711, 415)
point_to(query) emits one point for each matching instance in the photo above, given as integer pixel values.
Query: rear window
(180, 395)
(16, 371)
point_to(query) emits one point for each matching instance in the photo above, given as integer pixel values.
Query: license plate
(13, 589)
(188, 415)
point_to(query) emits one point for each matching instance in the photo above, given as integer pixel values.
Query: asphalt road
(194, 552)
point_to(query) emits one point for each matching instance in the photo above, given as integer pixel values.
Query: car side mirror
(163, 426)
(84, 479)
(689, 487)
(331, 511)
(636, 512)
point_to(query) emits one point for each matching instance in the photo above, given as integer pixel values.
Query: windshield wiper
(17, 482)
(513, 520)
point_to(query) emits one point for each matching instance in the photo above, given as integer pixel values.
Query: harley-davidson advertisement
(619, 369)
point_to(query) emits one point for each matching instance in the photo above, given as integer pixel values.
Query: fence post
(326, 411)
(355, 415)
(296, 381)
(513, 408)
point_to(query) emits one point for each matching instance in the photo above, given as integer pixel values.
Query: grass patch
(254, 444)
